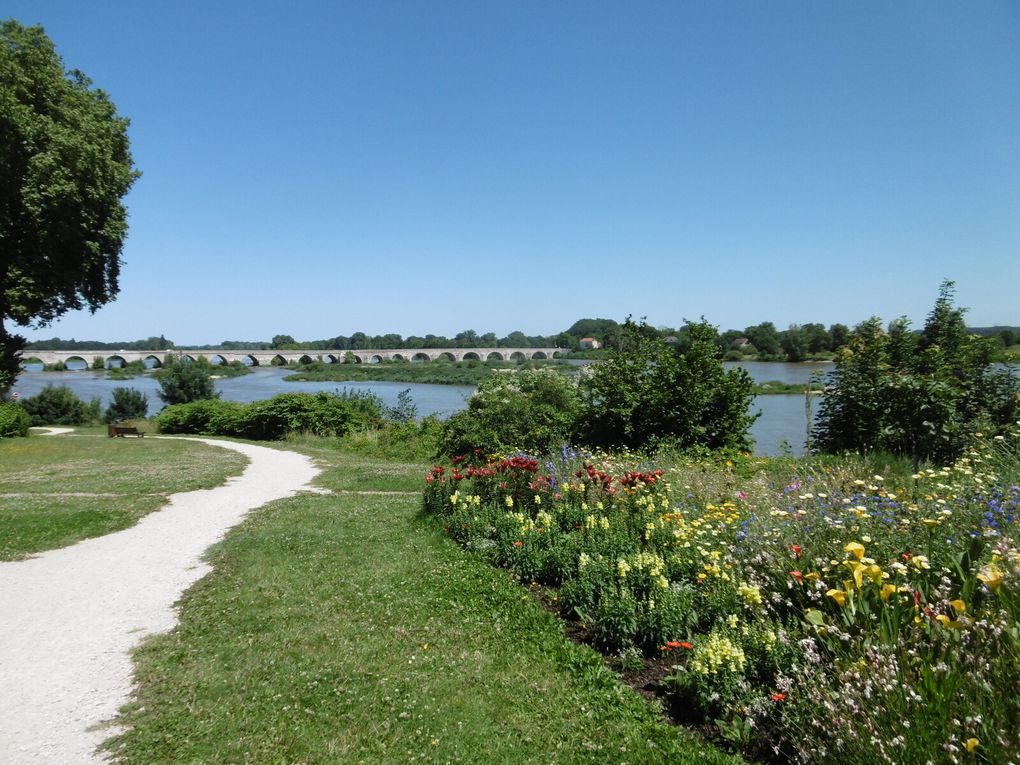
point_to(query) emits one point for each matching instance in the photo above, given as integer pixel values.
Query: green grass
(433, 373)
(131, 477)
(346, 629)
(33, 523)
(775, 387)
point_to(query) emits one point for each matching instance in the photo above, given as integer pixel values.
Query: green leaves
(648, 394)
(65, 165)
(917, 394)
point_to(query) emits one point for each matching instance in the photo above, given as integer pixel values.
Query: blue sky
(321, 168)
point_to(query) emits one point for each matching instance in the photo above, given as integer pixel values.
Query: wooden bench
(124, 430)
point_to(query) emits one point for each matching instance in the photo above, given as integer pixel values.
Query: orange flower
(777, 697)
(674, 644)
(798, 576)
(518, 543)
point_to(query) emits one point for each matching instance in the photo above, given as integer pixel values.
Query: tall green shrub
(182, 381)
(648, 394)
(917, 394)
(59, 406)
(14, 420)
(127, 404)
(321, 414)
(531, 409)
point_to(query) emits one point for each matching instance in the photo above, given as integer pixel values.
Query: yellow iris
(887, 590)
(971, 744)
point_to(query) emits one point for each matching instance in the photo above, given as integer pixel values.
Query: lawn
(346, 628)
(57, 490)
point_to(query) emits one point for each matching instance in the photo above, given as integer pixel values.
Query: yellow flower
(971, 744)
(950, 624)
(856, 548)
(958, 605)
(858, 571)
(887, 590)
(508, 501)
(874, 573)
(838, 595)
(991, 576)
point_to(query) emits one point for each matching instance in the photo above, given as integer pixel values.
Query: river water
(781, 428)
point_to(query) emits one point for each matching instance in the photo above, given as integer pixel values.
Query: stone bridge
(280, 357)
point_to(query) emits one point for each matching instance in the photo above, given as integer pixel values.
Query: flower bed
(819, 614)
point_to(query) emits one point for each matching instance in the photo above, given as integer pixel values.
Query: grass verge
(62, 489)
(347, 629)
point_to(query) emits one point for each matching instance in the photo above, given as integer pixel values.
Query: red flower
(798, 576)
(777, 697)
(674, 644)
(518, 543)
(796, 550)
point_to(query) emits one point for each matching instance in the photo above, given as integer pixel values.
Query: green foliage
(320, 414)
(127, 404)
(182, 382)
(58, 405)
(531, 409)
(14, 420)
(66, 165)
(648, 394)
(920, 395)
(204, 417)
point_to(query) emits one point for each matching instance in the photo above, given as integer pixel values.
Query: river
(781, 428)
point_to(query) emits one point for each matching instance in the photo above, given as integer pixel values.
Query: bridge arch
(539, 355)
(472, 356)
(306, 359)
(375, 359)
(114, 362)
(76, 363)
(446, 356)
(421, 358)
(329, 358)
(152, 361)
(216, 360)
(249, 361)
(518, 357)
(399, 357)
(495, 356)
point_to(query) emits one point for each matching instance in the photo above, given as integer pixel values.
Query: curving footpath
(69, 618)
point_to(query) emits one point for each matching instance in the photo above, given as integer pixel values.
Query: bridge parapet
(267, 358)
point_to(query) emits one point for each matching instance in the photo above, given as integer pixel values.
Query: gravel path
(70, 617)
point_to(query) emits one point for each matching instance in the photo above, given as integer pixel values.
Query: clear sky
(320, 168)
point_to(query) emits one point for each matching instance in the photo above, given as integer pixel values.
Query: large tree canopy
(65, 165)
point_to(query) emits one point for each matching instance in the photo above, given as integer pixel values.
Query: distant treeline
(764, 342)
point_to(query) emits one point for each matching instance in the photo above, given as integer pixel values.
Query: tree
(65, 165)
(794, 342)
(765, 339)
(127, 404)
(182, 381)
(920, 395)
(647, 394)
(840, 335)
